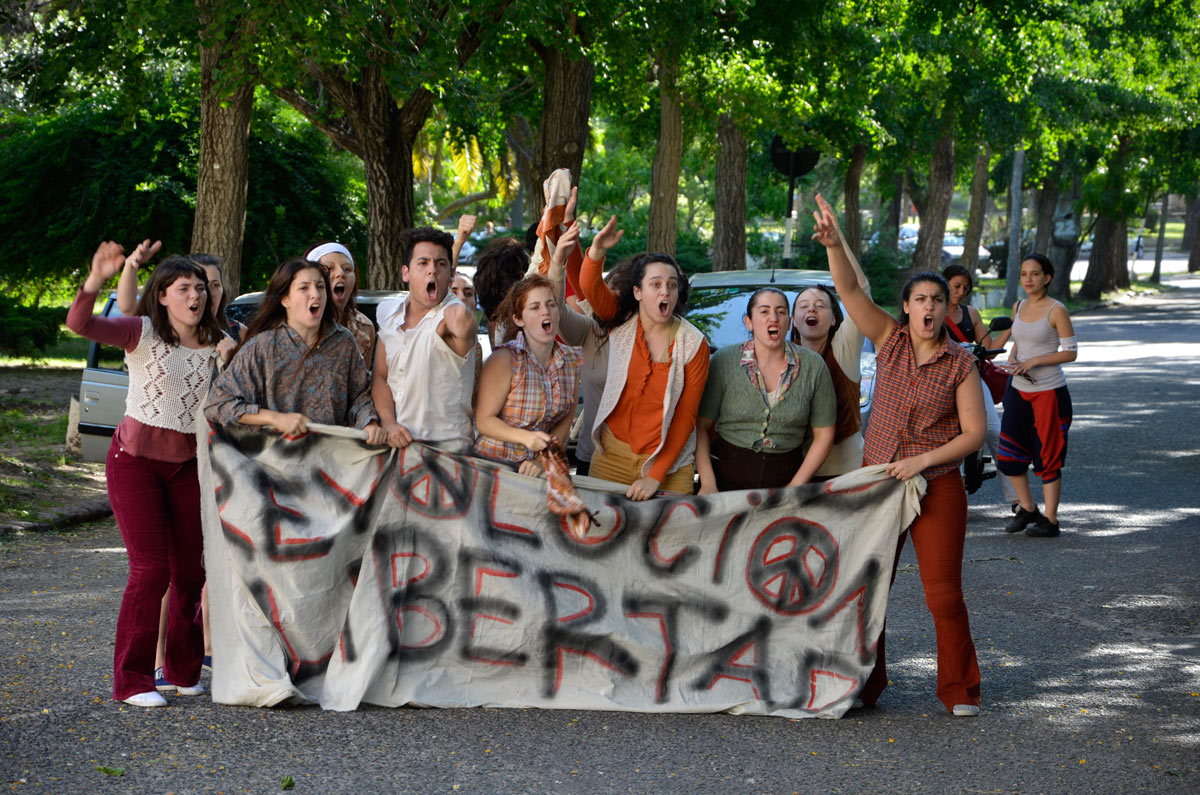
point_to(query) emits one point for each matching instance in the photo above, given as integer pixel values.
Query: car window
(718, 312)
(107, 357)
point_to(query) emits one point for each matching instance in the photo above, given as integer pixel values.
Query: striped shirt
(538, 398)
(915, 409)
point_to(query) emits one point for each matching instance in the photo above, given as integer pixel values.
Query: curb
(84, 512)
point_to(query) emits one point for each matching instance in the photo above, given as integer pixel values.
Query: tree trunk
(1191, 220)
(223, 167)
(729, 217)
(1194, 259)
(889, 230)
(1106, 267)
(1047, 204)
(978, 209)
(1012, 276)
(563, 133)
(928, 255)
(390, 210)
(668, 160)
(1064, 248)
(1156, 275)
(850, 190)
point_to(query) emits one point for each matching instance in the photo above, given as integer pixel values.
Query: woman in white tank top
(1037, 405)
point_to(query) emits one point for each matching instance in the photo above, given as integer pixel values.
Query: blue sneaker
(160, 682)
(207, 664)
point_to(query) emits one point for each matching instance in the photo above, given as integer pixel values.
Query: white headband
(330, 248)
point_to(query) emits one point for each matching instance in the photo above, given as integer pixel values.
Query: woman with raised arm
(218, 299)
(296, 365)
(764, 397)
(645, 425)
(928, 414)
(1037, 405)
(170, 344)
(530, 384)
(127, 289)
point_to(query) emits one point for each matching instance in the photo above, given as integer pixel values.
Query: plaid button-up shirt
(538, 398)
(915, 409)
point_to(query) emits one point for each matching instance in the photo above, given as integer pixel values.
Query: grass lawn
(70, 352)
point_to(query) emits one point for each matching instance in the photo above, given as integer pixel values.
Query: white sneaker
(195, 690)
(960, 710)
(150, 698)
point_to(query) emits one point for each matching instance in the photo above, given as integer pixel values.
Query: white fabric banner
(341, 574)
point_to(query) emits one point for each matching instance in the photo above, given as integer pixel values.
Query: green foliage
(69, 181)
(691, 251)
(90, 174)
(28, 330)
(883, 268)
(302, 191)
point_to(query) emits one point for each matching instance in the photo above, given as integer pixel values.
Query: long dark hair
(906, 291)
(272, 313)
(755, 295)
(834, 307)
(632, 276)
(165, 274)
(213, 261)
(1044, 261)
(498, 267)
(950, 271)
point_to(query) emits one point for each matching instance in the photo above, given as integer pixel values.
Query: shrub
(28, 330)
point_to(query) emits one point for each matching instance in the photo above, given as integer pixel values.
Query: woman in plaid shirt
(928, 415)
(530, 384)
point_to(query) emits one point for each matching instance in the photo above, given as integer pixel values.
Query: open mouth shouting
(314, 309)
(547, 326)
(431, 291)
(810, 320)
(927, 323)
(339, 291)
(773, 331)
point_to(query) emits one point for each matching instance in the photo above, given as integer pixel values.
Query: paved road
(1089, 645)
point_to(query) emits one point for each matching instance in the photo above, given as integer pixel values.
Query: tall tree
(367, 75)
(223, 167)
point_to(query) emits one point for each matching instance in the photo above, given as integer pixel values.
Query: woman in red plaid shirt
(928, 415)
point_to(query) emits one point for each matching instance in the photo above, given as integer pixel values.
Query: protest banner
(341, 574)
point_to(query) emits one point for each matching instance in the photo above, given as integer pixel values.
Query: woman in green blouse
(763, 397)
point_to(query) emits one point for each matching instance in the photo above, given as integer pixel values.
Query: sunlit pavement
(1089, 645)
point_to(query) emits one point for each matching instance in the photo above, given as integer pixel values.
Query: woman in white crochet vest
(170, 344)
(645, 427)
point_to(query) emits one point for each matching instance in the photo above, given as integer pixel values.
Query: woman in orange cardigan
(645, 426)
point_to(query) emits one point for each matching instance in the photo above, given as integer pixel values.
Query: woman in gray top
(1037, 405)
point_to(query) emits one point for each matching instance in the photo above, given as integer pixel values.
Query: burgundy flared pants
(157, 506)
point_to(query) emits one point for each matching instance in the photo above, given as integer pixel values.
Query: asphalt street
(1089, 646)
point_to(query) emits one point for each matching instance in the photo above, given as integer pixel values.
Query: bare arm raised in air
(873, 321)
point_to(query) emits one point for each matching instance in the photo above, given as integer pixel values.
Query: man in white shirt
(425, 359)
